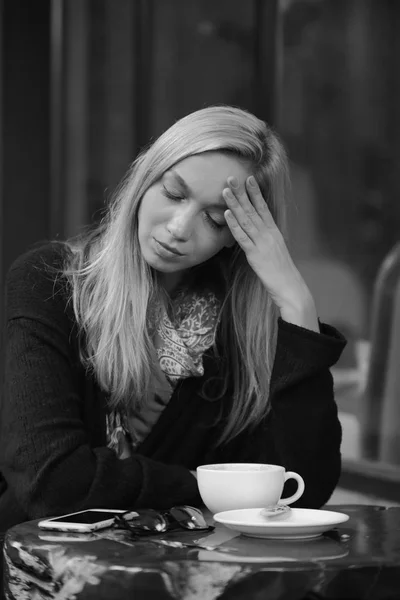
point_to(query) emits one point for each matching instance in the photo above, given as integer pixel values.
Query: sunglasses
(149, 521)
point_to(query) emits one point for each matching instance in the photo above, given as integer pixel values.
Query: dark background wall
(25, 122)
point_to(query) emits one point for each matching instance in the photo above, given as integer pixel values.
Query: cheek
(210, 246)
(148, 212)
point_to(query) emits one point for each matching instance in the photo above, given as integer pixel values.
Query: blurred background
(85, 84)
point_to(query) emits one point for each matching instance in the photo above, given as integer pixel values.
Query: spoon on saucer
(274, 511)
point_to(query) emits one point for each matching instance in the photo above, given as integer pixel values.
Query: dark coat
(53, 454)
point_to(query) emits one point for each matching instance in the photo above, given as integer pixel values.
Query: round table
(359, 559)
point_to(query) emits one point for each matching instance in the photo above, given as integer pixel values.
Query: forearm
(87, 478)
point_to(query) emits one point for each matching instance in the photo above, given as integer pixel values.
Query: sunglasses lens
(188, 517)
(149, 521)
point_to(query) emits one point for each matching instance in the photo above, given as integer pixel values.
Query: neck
(171, 281)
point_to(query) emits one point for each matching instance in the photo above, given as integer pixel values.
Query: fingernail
(252, 181)
(234, 182)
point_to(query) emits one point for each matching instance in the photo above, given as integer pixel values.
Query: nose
(180, 225)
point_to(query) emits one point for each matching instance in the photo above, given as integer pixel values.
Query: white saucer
(302, 523)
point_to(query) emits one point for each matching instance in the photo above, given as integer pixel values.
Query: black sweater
(53, 454)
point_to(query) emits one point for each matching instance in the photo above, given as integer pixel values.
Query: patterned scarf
(179, 345)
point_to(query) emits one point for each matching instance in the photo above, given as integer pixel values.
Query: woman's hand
(253, 227)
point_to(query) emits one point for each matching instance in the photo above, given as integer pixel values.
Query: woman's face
(185, 210)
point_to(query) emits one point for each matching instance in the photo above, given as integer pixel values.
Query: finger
(238, 233)
(241, 194)
(243, 219)
(259, 202)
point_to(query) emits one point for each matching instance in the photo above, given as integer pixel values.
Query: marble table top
(359, 559)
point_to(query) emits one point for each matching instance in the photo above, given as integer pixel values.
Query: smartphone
(83, 521)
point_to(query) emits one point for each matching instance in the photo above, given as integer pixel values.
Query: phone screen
(89, 517)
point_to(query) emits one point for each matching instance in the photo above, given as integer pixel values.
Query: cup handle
(300, 487)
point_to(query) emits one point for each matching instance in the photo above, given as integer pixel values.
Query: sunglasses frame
(166, 518)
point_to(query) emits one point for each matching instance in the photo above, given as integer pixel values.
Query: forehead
(210, 170)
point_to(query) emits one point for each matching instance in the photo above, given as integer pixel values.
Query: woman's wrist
(302, 313)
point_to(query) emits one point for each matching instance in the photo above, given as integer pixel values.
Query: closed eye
(172, 196)
(177, 198)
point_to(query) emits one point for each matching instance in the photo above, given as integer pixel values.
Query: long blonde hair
(113, 288)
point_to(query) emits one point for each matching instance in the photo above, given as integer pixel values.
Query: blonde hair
(113, 288)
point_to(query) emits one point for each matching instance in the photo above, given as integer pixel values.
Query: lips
(170, 248)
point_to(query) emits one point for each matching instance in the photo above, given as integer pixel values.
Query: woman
(128, 364)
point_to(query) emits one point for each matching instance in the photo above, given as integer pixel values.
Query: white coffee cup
(230, 486)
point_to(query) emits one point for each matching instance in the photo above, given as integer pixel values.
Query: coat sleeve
(302, 431)
(45, 454)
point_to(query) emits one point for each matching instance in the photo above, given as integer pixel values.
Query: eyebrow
(189, 191)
